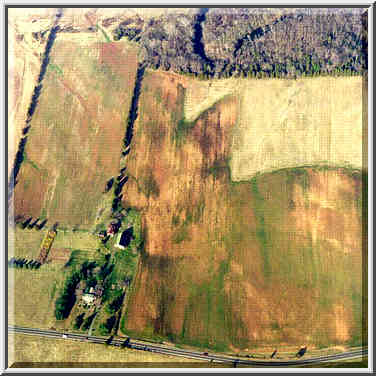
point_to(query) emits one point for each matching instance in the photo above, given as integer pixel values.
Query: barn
(124, 238)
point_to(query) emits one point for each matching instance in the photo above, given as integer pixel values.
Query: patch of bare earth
(24, 61)
(76, 134)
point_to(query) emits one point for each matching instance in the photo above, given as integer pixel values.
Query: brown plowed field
(75, 139)
(276, 260)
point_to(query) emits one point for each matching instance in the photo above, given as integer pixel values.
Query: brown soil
(59, 255)
(76, 134)
(240, 264)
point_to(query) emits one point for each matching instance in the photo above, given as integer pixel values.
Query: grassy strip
(55, 68)
(108, 40)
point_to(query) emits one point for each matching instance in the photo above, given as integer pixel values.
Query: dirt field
(24, 60)
(237, 265)
(75, 139)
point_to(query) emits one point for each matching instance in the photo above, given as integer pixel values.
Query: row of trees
(29, 222)
(106, 327)
(20, 155)
(82, 322)
(65, 302)
(23, 263)
(113, 308)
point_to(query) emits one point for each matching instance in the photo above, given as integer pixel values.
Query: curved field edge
(288, 122)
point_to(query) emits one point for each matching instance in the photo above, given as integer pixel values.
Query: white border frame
(167, 3)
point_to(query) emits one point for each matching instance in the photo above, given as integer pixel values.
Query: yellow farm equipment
(46, 246)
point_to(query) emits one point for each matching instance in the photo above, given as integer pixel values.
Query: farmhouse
(113, 228)
(124, 238)
(88, 298)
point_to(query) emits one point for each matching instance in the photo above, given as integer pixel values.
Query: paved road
(187, 353)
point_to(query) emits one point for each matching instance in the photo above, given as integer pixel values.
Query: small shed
(124, 238)
(98, 291)
(102, 234)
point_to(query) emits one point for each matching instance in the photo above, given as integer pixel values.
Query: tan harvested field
(237, 265)
(24, 348)
(29, 349)
(25, 243)
(287, 123)
(76, 134)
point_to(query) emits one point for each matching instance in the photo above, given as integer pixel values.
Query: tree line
(23, 263)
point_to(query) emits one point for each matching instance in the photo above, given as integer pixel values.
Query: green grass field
(32, 293)
(81, 240)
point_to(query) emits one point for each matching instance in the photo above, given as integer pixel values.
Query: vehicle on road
(205, 353)
(64, 336)
(301, 352)
(126, 343)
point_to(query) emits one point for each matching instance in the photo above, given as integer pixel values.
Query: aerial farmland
(176, 178)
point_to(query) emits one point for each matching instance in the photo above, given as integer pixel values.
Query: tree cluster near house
(97, 285)
(88, 321)
(106, 327)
